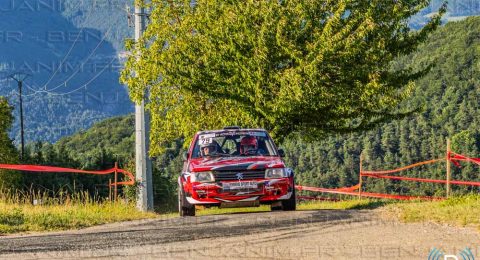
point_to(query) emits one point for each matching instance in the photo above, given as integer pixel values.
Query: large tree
(308, 66)
(8, 153)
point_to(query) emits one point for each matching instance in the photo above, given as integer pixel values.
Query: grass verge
(344, 204)
(458, 211)
(219, 211)
(21, 217)
(310, 205)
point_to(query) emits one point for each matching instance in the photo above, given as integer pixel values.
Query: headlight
(202, 177)
(275, 173)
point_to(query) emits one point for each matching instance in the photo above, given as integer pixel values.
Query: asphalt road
(324, 234)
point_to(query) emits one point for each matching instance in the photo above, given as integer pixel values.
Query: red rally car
(234, 167)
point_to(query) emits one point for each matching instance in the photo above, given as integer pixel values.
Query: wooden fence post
(116, 180)
(110, 189)
(360, 179)
(449, 173)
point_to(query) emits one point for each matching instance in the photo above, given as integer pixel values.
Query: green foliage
(466, 142)
(50, 117)
(449, 94)
(289, 66)
(7, 150)
(8, 153)
(99, 147)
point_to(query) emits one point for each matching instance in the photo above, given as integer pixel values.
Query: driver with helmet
(248, 145)
(208, 149)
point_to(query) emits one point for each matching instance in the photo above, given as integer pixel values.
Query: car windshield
(234, 143)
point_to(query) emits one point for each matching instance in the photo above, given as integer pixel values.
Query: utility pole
(142, 133)
(19, 78)
(449, 170)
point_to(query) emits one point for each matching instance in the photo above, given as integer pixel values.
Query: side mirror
(281, 152)
(185, 156)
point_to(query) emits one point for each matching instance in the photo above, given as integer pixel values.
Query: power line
(32, 89)
(87, 83)
(9, 78)
(36, 91)
(77, 89)
(69, 51)
(82, 63)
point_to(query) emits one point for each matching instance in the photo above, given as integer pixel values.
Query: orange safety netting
(471, 183)
(386, 174)
(402, 168)
(38, 168)
(336, 190)
(451, 156)
(458, 157)
(354, 190)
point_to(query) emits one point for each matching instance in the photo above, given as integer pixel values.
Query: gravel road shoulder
(323, 234)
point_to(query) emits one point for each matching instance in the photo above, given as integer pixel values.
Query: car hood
(235, 163)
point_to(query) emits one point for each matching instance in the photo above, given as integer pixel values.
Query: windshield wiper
(250, 155)
(220, 154)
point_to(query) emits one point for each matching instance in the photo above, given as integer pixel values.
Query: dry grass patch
(26, 217)
(459, 211)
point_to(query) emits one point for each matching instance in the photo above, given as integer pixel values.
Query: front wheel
(184, 207)
(291, 203)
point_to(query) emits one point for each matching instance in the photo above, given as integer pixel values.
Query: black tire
(184, 207)
(291, 203)
(276, 208)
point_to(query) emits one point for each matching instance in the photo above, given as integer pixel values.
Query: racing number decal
(205, 140)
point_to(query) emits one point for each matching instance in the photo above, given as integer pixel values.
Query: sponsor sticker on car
(246, 185)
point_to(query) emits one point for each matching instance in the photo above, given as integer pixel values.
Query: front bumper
(266, 191)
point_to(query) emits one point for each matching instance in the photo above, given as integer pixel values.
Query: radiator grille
(234, 175)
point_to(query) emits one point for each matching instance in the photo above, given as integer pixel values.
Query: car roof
(231, 130)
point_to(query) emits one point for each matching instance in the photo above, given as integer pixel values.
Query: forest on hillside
(49, 116)
(72, 54)
(448, 95)
(98, 148)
